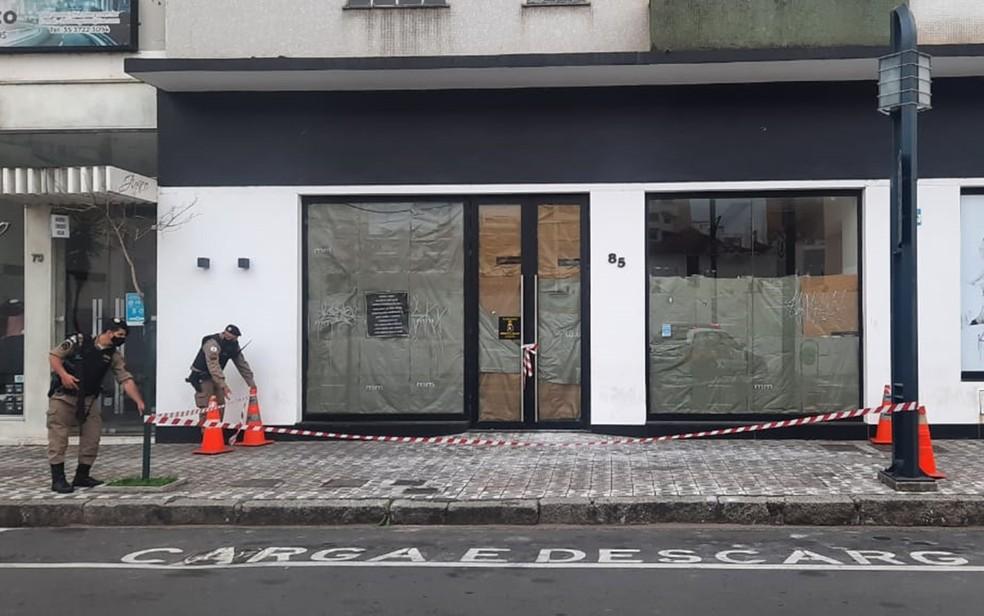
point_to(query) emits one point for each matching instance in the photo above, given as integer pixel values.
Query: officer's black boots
(82, 478)
(58, 482)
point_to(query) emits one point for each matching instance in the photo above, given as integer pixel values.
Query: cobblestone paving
(324, 470)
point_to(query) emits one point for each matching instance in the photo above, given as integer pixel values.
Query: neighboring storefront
(68, 238)
(12, 310)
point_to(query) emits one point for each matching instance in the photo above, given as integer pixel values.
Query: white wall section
(876, 335)
(947, 400)
(618, 308)
(261, 224)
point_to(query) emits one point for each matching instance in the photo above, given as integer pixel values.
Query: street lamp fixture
(905, 79)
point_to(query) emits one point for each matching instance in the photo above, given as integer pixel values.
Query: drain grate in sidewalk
(342, 482)
(421, 491)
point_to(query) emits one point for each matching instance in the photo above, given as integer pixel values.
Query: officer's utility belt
(57, 389)
(81, 408)
(196, 379)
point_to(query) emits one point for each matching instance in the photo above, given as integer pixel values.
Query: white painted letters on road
(725, 557)
(864, 557)
(280, 555)
(678, 556)
(337, 554)
(618, 556)
(135, 557)
(411, 554)
(733, 556)
(220, 556)
(799, 556)
(547, 556)
(484, 555)
(938, 558)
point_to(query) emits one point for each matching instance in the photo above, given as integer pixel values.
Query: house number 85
(615, 259)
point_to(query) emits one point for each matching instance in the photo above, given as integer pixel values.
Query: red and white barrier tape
(168, 417)
(457, 440)
(176, 414)
(529, 354)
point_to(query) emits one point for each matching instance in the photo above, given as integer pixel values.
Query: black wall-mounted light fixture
(243, 263)
(204, 262)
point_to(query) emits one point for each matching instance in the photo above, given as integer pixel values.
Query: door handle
(536, 347)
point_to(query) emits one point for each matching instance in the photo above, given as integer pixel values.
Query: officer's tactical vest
(89, 364)
(227, 350)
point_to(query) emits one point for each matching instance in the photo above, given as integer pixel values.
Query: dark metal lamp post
(904, 80)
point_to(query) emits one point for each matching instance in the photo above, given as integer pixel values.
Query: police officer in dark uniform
(78, 367)
(207, 376)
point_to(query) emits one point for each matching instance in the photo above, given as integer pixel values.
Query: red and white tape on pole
(529, 355)
(175, 418)
(172, 421)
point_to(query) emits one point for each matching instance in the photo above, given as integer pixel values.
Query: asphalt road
(496, 571)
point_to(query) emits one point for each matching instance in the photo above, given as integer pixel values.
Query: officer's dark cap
(232, 329)
(115, 324)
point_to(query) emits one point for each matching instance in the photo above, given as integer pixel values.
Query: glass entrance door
(529, 313)
(97, 278)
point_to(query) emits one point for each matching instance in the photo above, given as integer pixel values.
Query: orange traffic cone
(254, 438)
(883, 436)
(927, 461)
(212, 442)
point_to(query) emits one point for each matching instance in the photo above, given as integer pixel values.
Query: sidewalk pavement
(327, 482)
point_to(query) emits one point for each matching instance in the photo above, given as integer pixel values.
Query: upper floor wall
(949, 22)
(328, 28)
(688, 25)
(337, 28)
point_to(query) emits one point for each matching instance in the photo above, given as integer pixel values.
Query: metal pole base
(908, 484)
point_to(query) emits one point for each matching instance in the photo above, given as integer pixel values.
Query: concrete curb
(313, 512)
(507, 512)
(200, 511)
(419, 513)
(871, 510)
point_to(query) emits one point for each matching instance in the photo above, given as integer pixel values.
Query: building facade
(618, 215)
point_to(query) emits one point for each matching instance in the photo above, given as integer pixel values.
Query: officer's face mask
(118, 341)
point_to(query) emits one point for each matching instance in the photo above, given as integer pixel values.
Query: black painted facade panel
(799, 131)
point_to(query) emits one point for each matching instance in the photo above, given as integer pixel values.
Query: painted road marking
(507, 565)
(733, 555)
(733, 558)
(722, 557)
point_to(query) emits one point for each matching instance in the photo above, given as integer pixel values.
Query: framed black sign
(68, 25)
(388, 314)
(509, 328)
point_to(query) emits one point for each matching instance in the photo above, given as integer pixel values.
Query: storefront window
(972, 287)
(753, 304)
(11, 309)
(385, 302)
